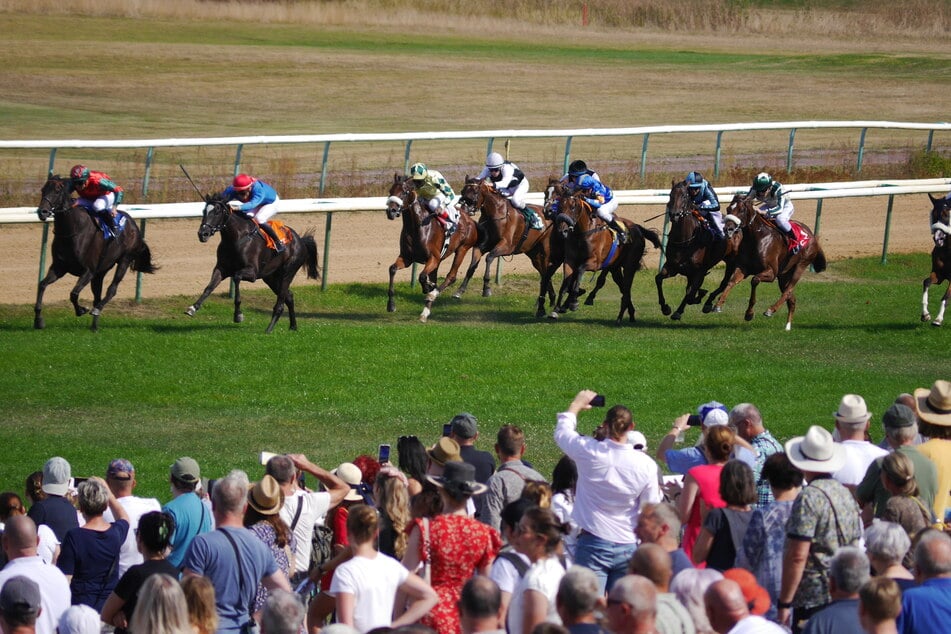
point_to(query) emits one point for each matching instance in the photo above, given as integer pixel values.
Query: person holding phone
(614, 482)
(464, 429)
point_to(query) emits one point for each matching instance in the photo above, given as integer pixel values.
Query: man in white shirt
(19, 544)
(120, 478)
(851, 430)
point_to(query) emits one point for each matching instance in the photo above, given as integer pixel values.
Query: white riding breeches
(782, 217)
(98, 205)
(606, 211)
(518, 195)
(266, 212)
(440, 204)
(716, 217)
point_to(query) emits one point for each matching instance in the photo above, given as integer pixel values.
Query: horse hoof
(707, 308)
(718, 309)
(457, 295)
(190, 311)
(390, 308)
(665, 310)
(39, 324)
(748, 316)
(487, 292)
(554, 315)
(788, 326)
(936, 323)
(82, 310)
(925, 317)
(96, 312)
(676, 316)
(573, 306)
(768, 313)
(239, 318)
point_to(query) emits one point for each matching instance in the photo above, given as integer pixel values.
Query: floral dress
(458, 546)
(265, 532)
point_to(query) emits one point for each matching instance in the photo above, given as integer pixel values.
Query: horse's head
(573, 213)
(940, 210)
(402, 196)
(213, 217)
(680, 204)
(54, 197)
(741, 207)
(554, 191)
(472, 195)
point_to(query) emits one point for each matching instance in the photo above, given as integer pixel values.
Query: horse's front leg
(427, 283)
(238, 315)
(81, 283)
(391, 294)
(487, 277)
(728, 273)
(944, 303)
(216, 276)
(473, 265)
(659, 282)
(749, 309)
(925, 313)
(598, 285)
(737, 276)
(52, 275)
(122, 267)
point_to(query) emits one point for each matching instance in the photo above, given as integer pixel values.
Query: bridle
(224, 213)
(56, 200)
(685, 210)
(396, 205)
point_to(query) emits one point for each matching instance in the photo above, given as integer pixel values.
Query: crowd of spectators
(827, 533)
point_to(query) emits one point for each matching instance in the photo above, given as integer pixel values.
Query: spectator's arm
(337, 488)
(701, 547)
(411, 554)
(534, 610)
(794, 563)
(422, 599)
(277, 579)
(345, 604)
(687, 497)
(667, 442)
(112, 612)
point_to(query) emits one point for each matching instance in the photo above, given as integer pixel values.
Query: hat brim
(353, 496)
(472, 487)
(925, 412)
(804, 463)
(852, 421)
(274, 510)
(56, 488)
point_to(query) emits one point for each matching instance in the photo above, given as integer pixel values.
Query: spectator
(766, 534)
(20, 606)
(390, 492)
(283, 614)
(303, 509)
(659, 523)
(908, 400)
(851, 429)
(538, 537)
(848, 572)
(366, 586)
(91, 551)
(55, 510)
(412, 459)
(120, 478)
(213, 554)
(12, 506)
(728, 611)
(507, 482)
(720, 543)
(454, 544)
(757, 599)
(689, 586)
(614, 482)
(445, 450)
(701, 490)
(748, 422)
(465, 431)
(904, 507)
(901, 430)
(186, 508)
(79, 619)
(510, 565)
(933, 408)
(653, 563)
(887, 544)
(632, 606)
(162, 608)
(152, 537)
(708, 416)
(262, 517)
(925, 607)
(538, 493)
(564, 480)
(200, 600)
(577, 599)
(824, 518)
(479, 604)
(879, 606)
(33, 487)
(20, 545)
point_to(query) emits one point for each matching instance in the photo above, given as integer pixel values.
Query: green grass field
(155, 384)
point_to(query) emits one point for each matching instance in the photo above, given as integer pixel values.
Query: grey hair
(667, 514)
(281, 468)
(887, 541)
(93, 497)
(283, 613)
(578, 591)
(230, 494)
(849, 569)
(638, 592)
(933, 554)
(902, 435)
(689, 585)
(743, 411)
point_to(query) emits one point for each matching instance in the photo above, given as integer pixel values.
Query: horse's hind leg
(51, 276)
(749, 309)
(487, 278)
(473, 265)
(121, 269)
(238, 315)
(97, 280)
(81, 283)
(944, 303)
(291, 313)
(597, 287)
(216, 277)
(925, 313)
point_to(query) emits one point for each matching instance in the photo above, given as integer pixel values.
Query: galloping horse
(763, 253)
(940, 259)
(243, 254)
(505, 231)
(690, 251)
(590, 245)
(424, 241)
(80, 249)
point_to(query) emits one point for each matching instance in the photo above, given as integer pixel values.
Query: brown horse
(763, 254)
(244, 255)
(80, 249)
(590, 245)
(504, 231)
(691, 250)
(423, 241)
(940, 258)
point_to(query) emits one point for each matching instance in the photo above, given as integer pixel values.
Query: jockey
(257, 200)
(777, 204)
(98, 194)
(601, 198)
(436, 193)
(509, 181)
(706, 201)
(576, 169)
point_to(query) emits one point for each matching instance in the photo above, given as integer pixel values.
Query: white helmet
(494, 161)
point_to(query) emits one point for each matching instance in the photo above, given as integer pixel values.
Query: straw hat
(934, 405)
(816, 451)
(852, 410)
(351, 474)
(266, 497)
(446, 450)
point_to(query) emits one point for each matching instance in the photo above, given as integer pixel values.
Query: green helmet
(762, 182)
(418, 171)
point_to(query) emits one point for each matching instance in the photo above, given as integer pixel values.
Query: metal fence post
(663, 241)
(323, 278)
(52, 161)
(43, 242)
(148, 170)
(644, 155)
(818, 215)
(858, 166)
(567, 155)
(888, 227)
(716, 161)
(789, 149)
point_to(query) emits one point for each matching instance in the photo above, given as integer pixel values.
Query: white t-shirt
(313, 509)
(859, 454)
(504, 573)
(756, 625)
(135, 507)
(55, 595)
(48, 543)
(373, 584)
(544, 576)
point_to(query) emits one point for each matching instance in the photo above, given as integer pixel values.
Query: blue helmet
(694, 180)
(586, 182)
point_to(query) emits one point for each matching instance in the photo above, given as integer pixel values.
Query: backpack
(322, 546)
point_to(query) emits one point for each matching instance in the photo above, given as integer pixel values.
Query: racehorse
(243, 254)
(590, 245)
(763, 254)
(690, 251)
(423, 240)
(505, 230)
(940, 258)
(80, 249)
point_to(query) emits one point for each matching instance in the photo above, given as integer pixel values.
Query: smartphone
(597, 401)
(694, 420)
(447, 429)
(78, 481)
(384, 454)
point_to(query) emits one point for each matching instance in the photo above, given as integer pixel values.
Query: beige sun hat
(852, 410)
(934, 405)
(351, 474)
(816, 451)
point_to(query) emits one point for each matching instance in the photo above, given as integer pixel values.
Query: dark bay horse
(505, 231)
(764, 255)
(940, 258)
(423, 240)
(80, 249)
(690, 251)
(244, 255)
(590, 245)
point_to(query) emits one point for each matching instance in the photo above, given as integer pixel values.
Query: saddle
(280, 229)
(802, 238)
(533, 218)
(104, 226)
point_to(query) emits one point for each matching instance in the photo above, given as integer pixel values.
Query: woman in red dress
(457, 547)
(702, 484)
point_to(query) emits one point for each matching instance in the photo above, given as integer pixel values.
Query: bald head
(933, 555)
(726, 605)
(653, 562)
(632, 605)
(19, 537)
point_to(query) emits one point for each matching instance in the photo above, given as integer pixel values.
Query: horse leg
(216, 277)
(597, 287)
(52, 275)
(97, 280)
(396, 266)
(749, 309)
(931, 279)
(736, 278)
(545, 286)
(711, 298)
(122, 267)
(787, 284)
(427, 283)
(693, 283)
(563, 292)
(238, 315)
(81, 283)
(283, 292)
(487, 277)
(470, 271)
(790, 309)
(659, 281)
(944, 303)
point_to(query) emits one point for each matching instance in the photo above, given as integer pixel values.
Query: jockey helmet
(762, 182)
(694, 180)
(494, 161)
(242, 183)
(79, 173)
(577, 168)
(586, 182)
(418, 171)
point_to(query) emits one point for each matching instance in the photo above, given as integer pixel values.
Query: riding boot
(268, 229)
(621, 233)
(113, 222)
(715, 229)
(791, 236)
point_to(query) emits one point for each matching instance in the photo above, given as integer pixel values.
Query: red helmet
(242, 182)
(79, 173)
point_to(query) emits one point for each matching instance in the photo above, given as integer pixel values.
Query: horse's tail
(819, 263)
(652, 236)
(310, 244)
(142, 259)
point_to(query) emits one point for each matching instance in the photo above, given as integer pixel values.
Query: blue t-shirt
(57, 513)
(839, 617)
(683, 460)
(191, 519)
(924, 608)
(92, 558)
(212, 555)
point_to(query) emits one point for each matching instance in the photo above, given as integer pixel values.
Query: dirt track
(363, 245)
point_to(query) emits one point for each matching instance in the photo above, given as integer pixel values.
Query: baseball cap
(713, 413)
(637, 439)
(465, 425)
(898, 415)
(186, 470)
(56, 475)
(20, 597)
(79, 619)
(120, 469)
